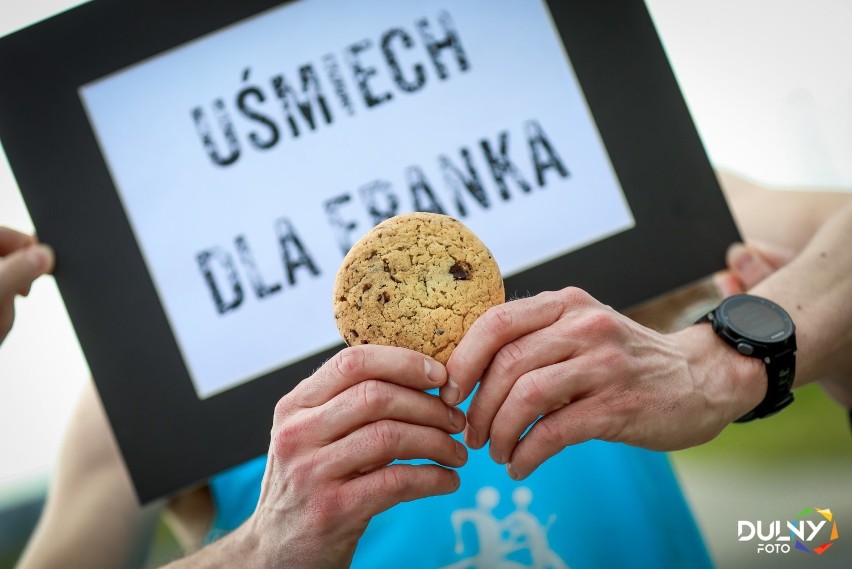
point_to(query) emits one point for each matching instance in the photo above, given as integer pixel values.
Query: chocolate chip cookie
(416, 280)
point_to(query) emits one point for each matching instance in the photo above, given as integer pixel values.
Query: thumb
(727, 284)
(750, 264)
(20, 269)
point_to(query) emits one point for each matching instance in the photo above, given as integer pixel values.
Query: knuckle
(552, 296)
(597, 323)
(341, 505)
(349, 361)
(286, 436)
(281, 443)
(387, 435)
(549, 436)
(373, 395)
(573, 296)
(509, 357)
(530, 392)
(499, 320)
(282, 409)
(341, 500)
(393, 480)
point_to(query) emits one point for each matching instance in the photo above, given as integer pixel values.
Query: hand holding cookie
(336, 438)
(561, 368)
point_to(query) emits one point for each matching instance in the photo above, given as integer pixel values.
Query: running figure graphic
(497, 539)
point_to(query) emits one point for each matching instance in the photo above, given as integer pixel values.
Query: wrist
(240, 548)
(264, 545)
(733, 384)
(273, 542)
(244, 547)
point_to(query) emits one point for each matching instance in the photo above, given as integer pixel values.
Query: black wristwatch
(759, 328)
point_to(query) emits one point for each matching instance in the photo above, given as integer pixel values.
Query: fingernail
(37, 256)
(512, 472)
(470, 438)
(453, 422)
(450, 392)
(741, 258)
(41, 256)
(461, 452)
(497, 457)
(433, 372)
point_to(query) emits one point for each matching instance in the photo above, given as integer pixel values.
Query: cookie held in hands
(418, 281)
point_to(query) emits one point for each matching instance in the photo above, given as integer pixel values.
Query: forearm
(91, 518)
(785, 218)
(95, 529)
(816, 289)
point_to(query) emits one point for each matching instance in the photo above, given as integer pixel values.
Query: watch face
(756, 318)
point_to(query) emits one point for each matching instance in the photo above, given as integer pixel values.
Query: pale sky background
(767, 83)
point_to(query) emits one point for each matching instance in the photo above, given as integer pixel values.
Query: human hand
(22, 260)
(748, 264)
(333, 439)
(576, 370)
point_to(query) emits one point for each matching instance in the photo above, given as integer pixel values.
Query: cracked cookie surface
(416, 280)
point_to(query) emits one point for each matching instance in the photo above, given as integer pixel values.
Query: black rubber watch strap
(780, 373)
(778, 392)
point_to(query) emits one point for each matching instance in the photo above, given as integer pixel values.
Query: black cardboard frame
(171, 439)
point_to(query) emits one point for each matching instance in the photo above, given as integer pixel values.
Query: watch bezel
(723, 321)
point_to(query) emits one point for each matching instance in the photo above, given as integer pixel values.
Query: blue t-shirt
(596, 505)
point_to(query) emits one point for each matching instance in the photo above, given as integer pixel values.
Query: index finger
(499, 326)
(371, 361)
(12, 240)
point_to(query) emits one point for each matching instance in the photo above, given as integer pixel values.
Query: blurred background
(768, 87)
